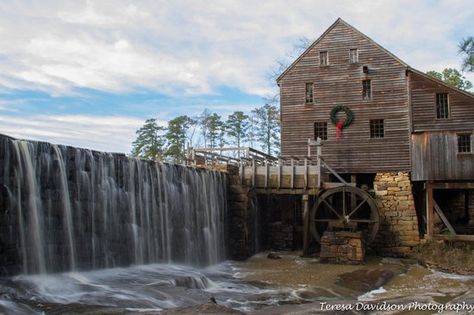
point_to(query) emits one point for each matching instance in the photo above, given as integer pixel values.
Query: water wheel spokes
(345, 208)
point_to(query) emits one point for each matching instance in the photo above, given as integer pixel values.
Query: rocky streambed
(289, 285)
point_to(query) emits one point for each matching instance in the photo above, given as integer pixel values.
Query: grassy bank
(448, 256)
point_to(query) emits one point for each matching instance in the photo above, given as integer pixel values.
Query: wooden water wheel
(345, 208)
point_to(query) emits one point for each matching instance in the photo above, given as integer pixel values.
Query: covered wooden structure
(403, 120)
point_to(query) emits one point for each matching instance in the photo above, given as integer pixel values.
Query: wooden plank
(288, 191)
(458, 237)
(329, 185)
(334, 172)
(266, 173)
(292, 173)
(453, 185)
(306, 223)
(429, 210)
(435, 157)
(254, 172)
(443, 218)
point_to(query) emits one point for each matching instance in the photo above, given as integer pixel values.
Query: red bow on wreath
(339, 127)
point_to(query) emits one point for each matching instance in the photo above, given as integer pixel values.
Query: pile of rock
(341, 247)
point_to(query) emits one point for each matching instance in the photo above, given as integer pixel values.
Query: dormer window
(353, 55)
(323, 58)
(309, 93)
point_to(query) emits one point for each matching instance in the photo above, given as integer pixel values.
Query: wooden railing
(260, 170)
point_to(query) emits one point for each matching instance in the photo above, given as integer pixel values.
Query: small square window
(309, 93)
(323, 58)
(442, 106)
(366, 90)
(464, 143)
(321, 130)
(353, 55)
(376, 128)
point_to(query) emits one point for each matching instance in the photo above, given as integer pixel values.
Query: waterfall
(65, 208)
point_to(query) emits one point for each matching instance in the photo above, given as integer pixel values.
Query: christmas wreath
(346, 110)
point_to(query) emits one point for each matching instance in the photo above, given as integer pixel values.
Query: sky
(89, 73)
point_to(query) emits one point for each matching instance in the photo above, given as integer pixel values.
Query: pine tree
(466, 47)
(150, 141)
(203, 121)
(176, 138)
(267, 119)
(215, 131)
(237, 126)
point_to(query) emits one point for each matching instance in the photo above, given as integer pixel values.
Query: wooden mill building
(410, 137)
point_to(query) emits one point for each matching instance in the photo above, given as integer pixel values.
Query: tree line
(452, 76)
(259, 129)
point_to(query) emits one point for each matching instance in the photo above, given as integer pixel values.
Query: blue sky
(88, 73)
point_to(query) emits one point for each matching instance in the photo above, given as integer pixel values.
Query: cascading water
(66, 208)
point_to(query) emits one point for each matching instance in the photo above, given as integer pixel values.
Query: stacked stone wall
(281, 236)
(398, 232)
(241, 217)
(342, 248)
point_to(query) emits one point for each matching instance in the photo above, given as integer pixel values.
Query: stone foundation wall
(398, 232)
(242, 218)
(281, 236)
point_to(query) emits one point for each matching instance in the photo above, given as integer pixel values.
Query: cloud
(192, 47)
(103, 133)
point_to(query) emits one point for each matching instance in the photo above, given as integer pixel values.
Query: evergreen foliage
(150, 142)
(466, 47)
(267, 119)
(237, 126)
(176, 137)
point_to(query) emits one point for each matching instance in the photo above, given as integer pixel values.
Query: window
(309, 93)
(353, 55)
(321, 130)
(366, 90)
(442, 106)
(323, 58)
(376, 128)
(464, 143)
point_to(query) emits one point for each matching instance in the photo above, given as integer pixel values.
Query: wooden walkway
(270, 174)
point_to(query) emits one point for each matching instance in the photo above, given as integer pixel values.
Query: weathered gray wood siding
(435, 157)
(434, 145)
(423, 99)
(341, 83)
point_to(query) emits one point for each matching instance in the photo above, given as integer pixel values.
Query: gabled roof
(341, 21)
(435, 80)
(338, 21)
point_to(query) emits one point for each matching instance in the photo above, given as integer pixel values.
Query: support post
(306, 226)
(353, 196)
(306, 173)
(292, 173)
(267, 173)
(254, 172)
(429, 210)
(318, 161)
(280, 163)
